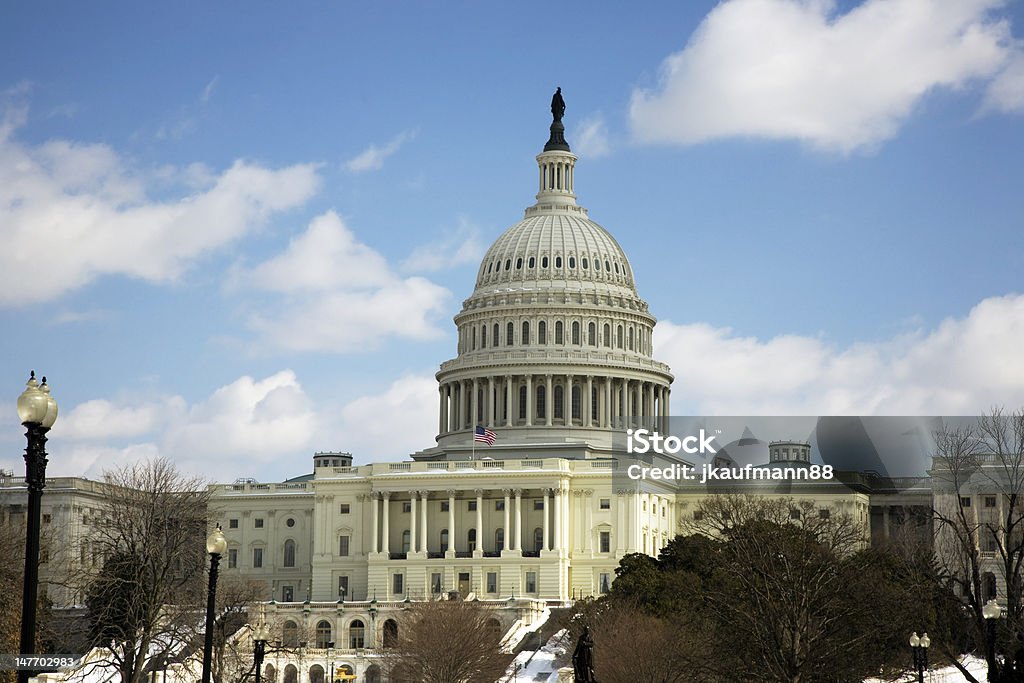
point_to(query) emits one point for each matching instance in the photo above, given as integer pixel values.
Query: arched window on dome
(616, 267)
(544, 262)
(584, 264)
(522, 403)
(490, 268)
(508, 264)
(541, 401)
(558, 262)
(558, 333)
(607, 265)
(525, 341)
(559, 401)
(497, 331)
(474, 339)
(483, 337)
(532, 262)
(607, 334)
(510, 331)
(618, 337)
(577, 404)
(572, 261)
(542, 332)
(597, 264)
(631, 338)
(576, 332)
(592, 334)
(519, 263)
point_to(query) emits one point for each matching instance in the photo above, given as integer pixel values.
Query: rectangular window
(232, 523)
(531, 582)
(345, 508)
(824, 513)
(407, 506)
(604, 583)
(492, 582)
(965, 501)
(606, 541)
(435, 583)
(343, 546)
(287, 593)
(990, 501)
(232, 558)
(342, 587)
(257, 558)
(990, 543)
(398, 583)
(538, 505)
(47, 519)
(605, 504)
(471, 506)
(499, 505)
(444, 506)
(259, 522)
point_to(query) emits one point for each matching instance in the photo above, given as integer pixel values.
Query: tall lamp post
(216, 544)
(260, 636)
(991, 612)
(37, 411)
(919, 646)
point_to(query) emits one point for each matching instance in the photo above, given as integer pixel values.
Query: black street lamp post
(991, 612)
(260, 636)
(919, 646)
(37, 411)
(216, 544)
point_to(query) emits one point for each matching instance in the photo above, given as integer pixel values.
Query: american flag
(484, 436)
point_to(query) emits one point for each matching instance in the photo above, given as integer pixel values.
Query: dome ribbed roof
(555, 246)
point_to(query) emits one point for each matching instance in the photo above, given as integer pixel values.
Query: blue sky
(234, 234)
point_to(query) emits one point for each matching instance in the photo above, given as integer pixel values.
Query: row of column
(498, 401)
(555, 535)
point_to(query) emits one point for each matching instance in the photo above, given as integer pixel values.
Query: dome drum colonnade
(555, 334)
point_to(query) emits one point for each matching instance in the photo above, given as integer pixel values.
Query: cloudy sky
(236, 233)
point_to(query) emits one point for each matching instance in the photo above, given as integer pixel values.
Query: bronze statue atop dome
(557, 139)
(557, 105)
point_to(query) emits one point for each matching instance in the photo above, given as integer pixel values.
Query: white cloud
(84, 209)
(963, 366)
(592, 138)
(338, 295)
(392, 424)
(458, 247)
(798, 69)
(1006, 92)
(372, 158)
(207, 93)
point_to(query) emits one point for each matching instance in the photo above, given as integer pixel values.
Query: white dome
(555, 246)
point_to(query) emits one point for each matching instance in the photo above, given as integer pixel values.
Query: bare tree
(145, 603)
(981, 537)
(449, 641)
(232, 648)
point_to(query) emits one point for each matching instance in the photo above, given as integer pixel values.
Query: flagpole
(474, 443)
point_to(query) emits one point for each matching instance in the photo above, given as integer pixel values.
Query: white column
(556, 541)
(475, 406)
(440, 409)
(479, 520)
(651, 415)
(606, 412)
(373, 543)
(529, 400)
(424, 537)
(620, 525)
(508, 400)
(507, 532)
(490, 403)
(413, 522)
(386, 537)
(519, 519)
(451, 520)
(586, 403)
(549, 401)
(547, 534)
(567, 400)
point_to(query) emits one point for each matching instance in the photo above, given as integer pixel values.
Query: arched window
(290, 634)
(499, 539)
(541, 401)
(577, 410)
(538, 539)
(618, 337)
(471, 539)
(323, 634)
(592, 334)
(405, 541)
(373, 674)
(572, 261)
(390, 633)
(607, 334)
(522, 402)
(291, 674)
(289, 553)
(519, 264)
(525, 341)
(630, 338)
(510, 330)
(597, 264)
(544, 262)
(494, 629)
(542, 332)
(356, 634)
(575, 332)
(558, 333)
(593, 403)
(508, 264)
(474, 339)
(444, 540)
(497, 330)
(584, 263)
(316, 674)
(483, 337)
(559, 401)
(270, 674)
(988, 586)
(532, 262)
(558, 262)
(607, 266)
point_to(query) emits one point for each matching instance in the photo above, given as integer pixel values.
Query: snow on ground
(539, 666)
